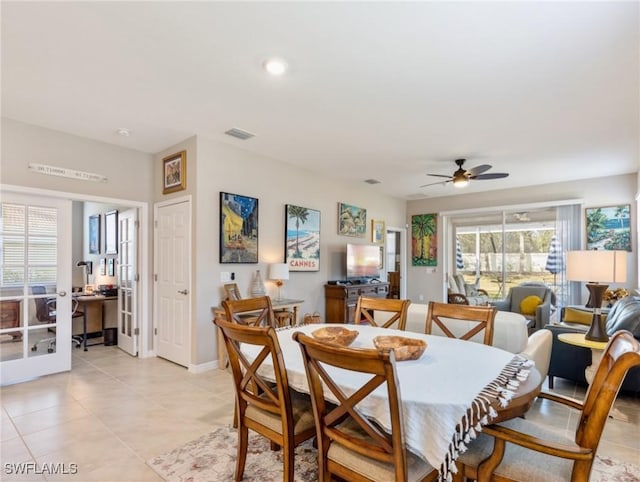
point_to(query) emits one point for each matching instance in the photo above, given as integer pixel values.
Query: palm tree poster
(424, 241)
(352, 220)
(609, 228)
(302, 238)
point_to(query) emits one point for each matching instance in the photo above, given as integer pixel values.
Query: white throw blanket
(451, 377)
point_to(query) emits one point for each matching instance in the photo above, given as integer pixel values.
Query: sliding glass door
(504, 248)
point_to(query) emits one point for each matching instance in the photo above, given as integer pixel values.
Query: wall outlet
(225, 277)
(420, 297)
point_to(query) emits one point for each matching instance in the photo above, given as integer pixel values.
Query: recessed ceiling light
(123, 131)
(275, 66)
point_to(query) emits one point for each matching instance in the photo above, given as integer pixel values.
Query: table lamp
(596, 267)
(279, 272)
(87, 267)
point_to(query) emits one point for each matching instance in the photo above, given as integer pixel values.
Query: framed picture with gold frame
(174, 172)
(378, 230)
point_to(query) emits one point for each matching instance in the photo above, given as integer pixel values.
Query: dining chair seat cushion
(372, 468)
(520, 463)
(302, 414)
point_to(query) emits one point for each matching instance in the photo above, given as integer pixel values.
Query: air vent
(372, 181)
(239, 133)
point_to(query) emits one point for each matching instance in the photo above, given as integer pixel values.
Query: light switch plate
(225, 277)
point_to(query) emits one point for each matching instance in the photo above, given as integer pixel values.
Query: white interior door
(128, 278)
(173, 279)
(35, 287)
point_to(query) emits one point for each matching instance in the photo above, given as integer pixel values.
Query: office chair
(46, 313)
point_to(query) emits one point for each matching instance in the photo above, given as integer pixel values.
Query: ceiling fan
(461, 177)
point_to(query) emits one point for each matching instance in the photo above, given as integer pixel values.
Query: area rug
(212, 457)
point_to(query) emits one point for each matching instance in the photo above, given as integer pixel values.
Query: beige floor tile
(86, 430)
(89, 458)
(7, 430)
(14, 451)
(49, 417)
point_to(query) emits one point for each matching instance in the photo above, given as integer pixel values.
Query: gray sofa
(569, 361)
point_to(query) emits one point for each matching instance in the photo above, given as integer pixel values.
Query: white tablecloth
(451, 377)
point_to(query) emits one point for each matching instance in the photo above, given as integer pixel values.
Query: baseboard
(203, 367)
(147, 354)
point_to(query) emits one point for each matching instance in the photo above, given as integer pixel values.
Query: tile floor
(112, 412)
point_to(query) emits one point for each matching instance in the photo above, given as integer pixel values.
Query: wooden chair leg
(243, 442)
(288, 460)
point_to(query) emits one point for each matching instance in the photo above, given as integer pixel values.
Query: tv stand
(341, 300)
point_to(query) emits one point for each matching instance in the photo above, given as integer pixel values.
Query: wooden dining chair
(273, 410)
(534, 453)
(460, 321)
(232, 291)
(250, 311)
(350, 446)
(366, 307)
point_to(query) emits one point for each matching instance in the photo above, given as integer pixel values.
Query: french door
(128, 281)
(35, 286)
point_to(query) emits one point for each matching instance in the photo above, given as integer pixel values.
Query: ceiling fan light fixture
(461, 182)
(275, 66)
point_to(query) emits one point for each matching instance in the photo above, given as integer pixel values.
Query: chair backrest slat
(330, 419)
(446, 316)
(251, 387)
(397, 308)
(250, 311)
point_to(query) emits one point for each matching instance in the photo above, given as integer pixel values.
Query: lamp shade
(597, 266)
(279, 271)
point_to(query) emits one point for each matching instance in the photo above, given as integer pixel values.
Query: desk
(85, 301)
(438, 390)
(283, 304)
(10, 317)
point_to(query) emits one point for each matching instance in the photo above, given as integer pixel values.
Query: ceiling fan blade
(439, 175)
(474, 171)
(434, 183)
(494, 175)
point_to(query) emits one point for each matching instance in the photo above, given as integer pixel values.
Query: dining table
(448, 394)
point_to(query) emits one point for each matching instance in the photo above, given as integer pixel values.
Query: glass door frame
(29, 366)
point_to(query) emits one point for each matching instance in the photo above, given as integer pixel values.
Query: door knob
(62, 293)
(183, 292)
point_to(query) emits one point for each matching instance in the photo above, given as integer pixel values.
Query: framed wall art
(378, 231)
(103, 266)
(352, 220)
(424, 241)
(302, 238)
(609, 227)
(111, 267)
(94, 234)
(238, 228)
(174, 176)
(111, 232)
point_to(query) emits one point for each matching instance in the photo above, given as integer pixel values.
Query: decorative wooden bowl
(403, 348)
(335, 334)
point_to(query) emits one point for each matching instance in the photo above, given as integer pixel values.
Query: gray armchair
(532, 288)
(569, 361)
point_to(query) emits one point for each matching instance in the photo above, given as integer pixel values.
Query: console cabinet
(341, 300)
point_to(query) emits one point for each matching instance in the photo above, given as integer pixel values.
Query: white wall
(222, 167)
(606, 191)
(128, 171)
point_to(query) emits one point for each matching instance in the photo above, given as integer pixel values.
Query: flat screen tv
(363, 261)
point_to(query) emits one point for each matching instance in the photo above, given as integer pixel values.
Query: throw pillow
(529, 304)
(571, 315)
(470, 290)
